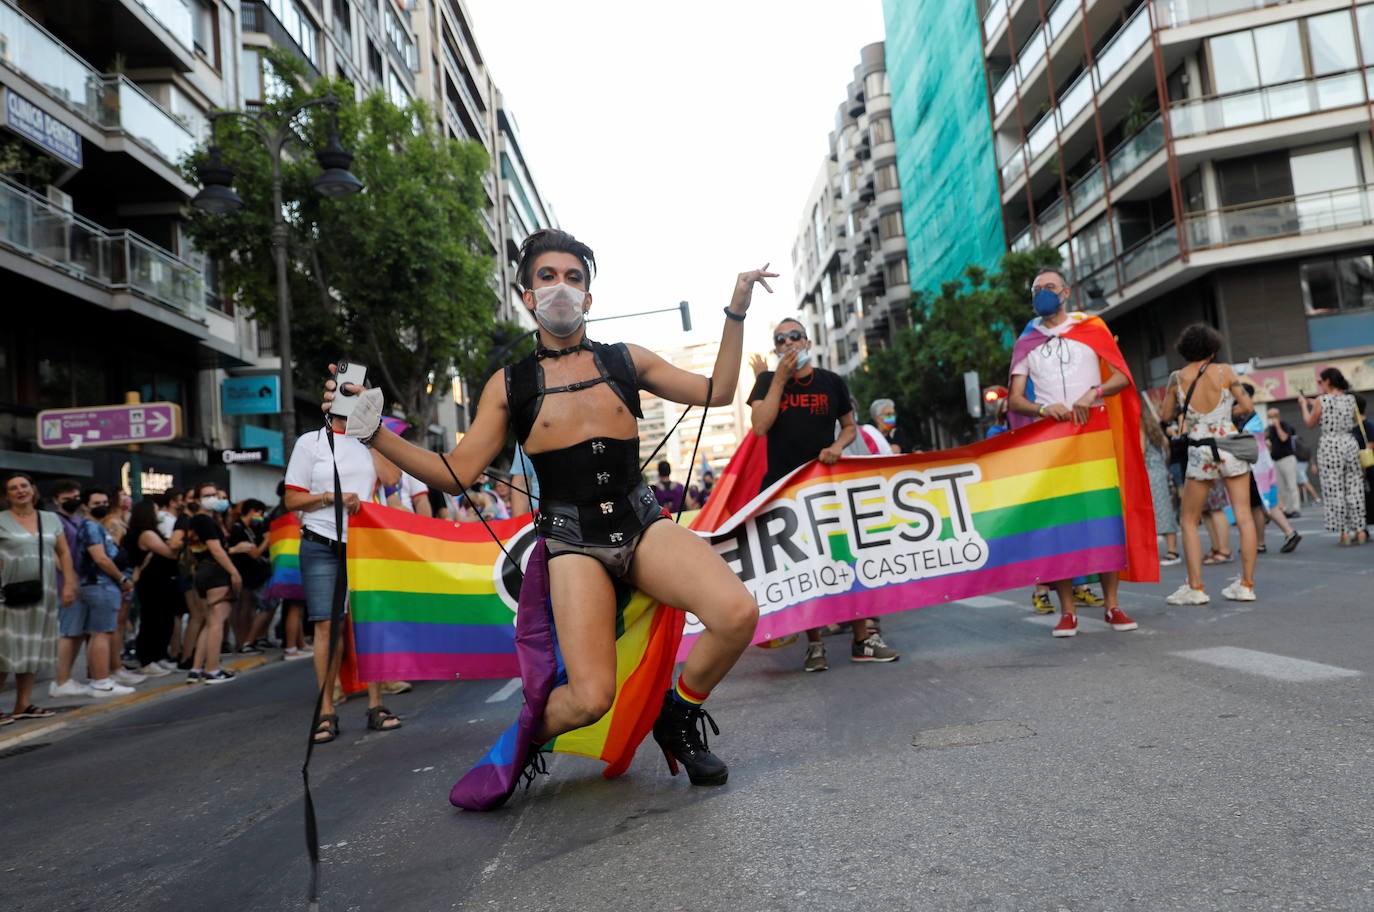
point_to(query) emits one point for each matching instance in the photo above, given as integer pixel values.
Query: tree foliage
(969, 326)
(396, 276)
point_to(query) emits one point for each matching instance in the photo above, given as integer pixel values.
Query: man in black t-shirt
(796, 407)
(1281, 438)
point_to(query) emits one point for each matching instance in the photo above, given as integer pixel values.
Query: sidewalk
(73, 709)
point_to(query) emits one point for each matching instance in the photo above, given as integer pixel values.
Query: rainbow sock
(687, 695)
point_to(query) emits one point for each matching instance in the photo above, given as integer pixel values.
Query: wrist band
(739, 318)
(1040, 411)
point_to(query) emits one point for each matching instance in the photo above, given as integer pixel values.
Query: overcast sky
(678, 140)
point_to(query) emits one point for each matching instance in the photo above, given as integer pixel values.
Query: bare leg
(174, 644)
(1171, 542)
(1064, 588)
(1111, 582)
(1219, 531)
(584, 612)
(1239, 489)
(677, 567)
(325, 670)
(23, 689)
(195, 620)
(98, 656)
(295, 634)
(212, 631)
(1190, 511)
(67, 649)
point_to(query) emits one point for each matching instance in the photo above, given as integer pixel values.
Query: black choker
(541, 352)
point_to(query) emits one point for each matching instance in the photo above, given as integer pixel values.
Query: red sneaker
(1067, 626)
(1119, 620)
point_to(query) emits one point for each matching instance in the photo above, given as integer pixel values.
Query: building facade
(725, 425)
(849, 255)
(944, 140)
(1197, 161)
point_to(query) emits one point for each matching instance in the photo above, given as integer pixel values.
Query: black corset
(592, 493)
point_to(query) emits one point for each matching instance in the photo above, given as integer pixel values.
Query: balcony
(1194, 117)
(111, 103)
(256, 16)
(459, 79)
(1033, 52)
(1174, 13)
(175, 17)
(111, 260)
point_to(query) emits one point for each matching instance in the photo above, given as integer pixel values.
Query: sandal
(6, 719)
(34, 712)
(379, 716)
(328, 726)
(1219, 557)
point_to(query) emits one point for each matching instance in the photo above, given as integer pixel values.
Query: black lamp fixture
(1096, 300)
(337, 180)
(217, 194)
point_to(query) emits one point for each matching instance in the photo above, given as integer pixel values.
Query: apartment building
(102, 293)
(849, 254)
(1197, 160)
(725, 425)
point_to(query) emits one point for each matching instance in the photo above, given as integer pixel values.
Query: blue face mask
(1045, 302)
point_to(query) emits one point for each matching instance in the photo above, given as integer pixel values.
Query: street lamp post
(217, 197)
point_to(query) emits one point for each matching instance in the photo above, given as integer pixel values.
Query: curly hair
(1198, 342)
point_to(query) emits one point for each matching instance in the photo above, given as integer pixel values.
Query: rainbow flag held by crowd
(284, 547)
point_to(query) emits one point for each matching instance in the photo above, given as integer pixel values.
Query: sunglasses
(795, 335)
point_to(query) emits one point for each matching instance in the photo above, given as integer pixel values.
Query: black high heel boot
(681, 733)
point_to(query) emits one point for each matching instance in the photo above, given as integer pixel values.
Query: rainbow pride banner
(284, 547)
(874, 535)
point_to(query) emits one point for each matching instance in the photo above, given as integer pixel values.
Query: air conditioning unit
(59, 199)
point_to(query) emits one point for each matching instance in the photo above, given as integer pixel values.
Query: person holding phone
(310, 490)
(573, 405)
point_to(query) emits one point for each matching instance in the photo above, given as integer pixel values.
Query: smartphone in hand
(352, 374)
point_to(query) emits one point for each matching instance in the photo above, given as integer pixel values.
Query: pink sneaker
(1067, 626)
(1119, 620)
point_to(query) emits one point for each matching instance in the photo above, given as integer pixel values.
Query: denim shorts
(96, 610)
(319, 566)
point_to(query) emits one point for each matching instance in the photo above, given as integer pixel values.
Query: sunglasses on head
(795, 335)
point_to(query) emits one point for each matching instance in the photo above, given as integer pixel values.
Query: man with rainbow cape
(573, 405)
(1063, 365)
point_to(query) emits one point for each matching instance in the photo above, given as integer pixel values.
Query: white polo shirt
(411, 488)
(312, 470)
(1062, 370)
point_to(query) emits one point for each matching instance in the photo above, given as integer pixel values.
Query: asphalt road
(1217, 758)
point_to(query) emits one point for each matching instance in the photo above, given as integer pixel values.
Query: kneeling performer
(573, 405)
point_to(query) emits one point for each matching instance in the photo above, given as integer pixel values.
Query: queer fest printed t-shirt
(1061, 370)
(312, 470)
(805, 425)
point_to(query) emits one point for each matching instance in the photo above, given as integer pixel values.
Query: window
(881, 130)
(399, 38)
(250, 75)
(299, 26)
(396, 89)
(895, 273)
(1331, 42)
(343, 25)
(205, 30)
(1254, 178)
(1338, 283)
(1364, 17)
(875, 85)
(1233, 63)
(886, 178)
(1280, 47)
(890, 224)
(374, 63)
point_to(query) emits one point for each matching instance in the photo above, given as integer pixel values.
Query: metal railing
(256, 16)
(110, 102)
(1195, 116)
(80, 248)
(1309, 213)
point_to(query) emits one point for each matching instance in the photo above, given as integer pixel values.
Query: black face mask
(70, 506)
(100, 512)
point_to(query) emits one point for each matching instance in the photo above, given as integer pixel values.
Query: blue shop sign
(41, 128)
(250, 436)
(256, 395)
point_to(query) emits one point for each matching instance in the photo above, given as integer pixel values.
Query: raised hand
(757, 363)
(744, 287)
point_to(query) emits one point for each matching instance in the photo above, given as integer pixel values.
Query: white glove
(366, 419)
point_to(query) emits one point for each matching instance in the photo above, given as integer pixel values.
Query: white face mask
(558, 308)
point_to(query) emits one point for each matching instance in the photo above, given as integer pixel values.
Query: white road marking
(507, 689)
(1268, 664)
(986, 601)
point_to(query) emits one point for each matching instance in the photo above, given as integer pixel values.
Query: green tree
(970, 325)
(396, 276)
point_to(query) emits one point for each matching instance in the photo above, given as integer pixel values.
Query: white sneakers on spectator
(128, 678)
(1187, 595)
(72, 688)
(167, 664)
(1239, 592)
(153, 670)
(106, 687)
(293, 654)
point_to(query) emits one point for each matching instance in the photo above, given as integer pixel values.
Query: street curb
(62, 719)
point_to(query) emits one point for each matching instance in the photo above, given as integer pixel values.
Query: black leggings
(158, 603)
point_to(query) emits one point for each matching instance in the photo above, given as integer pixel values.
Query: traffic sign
(108, 425)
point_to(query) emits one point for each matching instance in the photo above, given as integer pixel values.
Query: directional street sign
(108, 425)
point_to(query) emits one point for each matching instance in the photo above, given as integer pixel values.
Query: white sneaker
(73, 688)
(292, 654)
(106, 687)
(128, 678)
(1239, 592)
(167, 664)
(1187, 595)
(153, 670)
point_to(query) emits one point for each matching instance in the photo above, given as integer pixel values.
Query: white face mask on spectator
(558, 308)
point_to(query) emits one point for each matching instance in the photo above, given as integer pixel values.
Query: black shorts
(210, 575)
